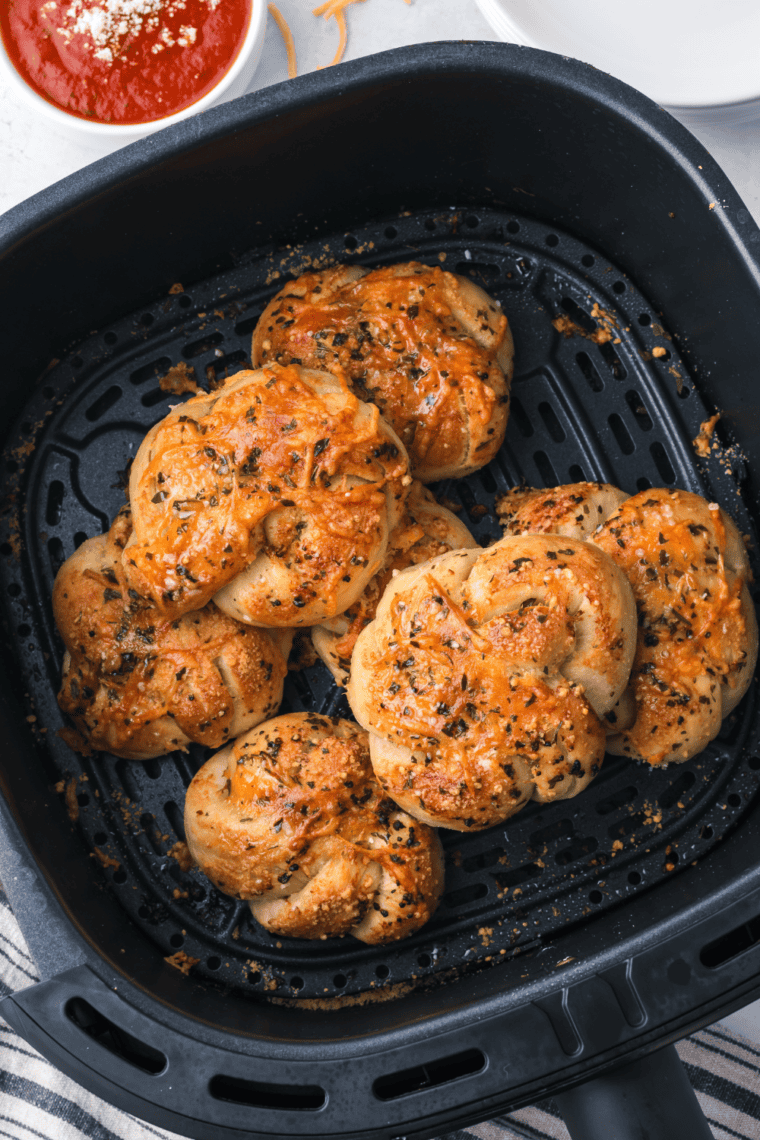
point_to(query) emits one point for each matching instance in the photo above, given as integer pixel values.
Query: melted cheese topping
(396, 337)
(269, 447)
(693, 634)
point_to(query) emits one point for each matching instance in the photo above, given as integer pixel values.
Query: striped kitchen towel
(39, 1103)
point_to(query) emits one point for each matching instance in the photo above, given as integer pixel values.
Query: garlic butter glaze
(430, 348)
(292, 818)
(276, 494)
(484, 676)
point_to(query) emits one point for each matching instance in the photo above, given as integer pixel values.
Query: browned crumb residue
(602, 334)
(182, 961)
(177, 288)
(106, 860)
(369, 997)
(69, 789)
(179, 379)
(701, 443)
(181, 853)
(658, 351)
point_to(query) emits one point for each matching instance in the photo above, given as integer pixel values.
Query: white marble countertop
(33, 155)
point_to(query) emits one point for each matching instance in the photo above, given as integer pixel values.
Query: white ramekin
(232, 83)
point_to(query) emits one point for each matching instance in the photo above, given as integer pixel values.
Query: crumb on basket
(179, 379)
(181, 853)
(182, 961)
(701, 442)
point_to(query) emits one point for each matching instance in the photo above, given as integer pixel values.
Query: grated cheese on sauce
(108, 26)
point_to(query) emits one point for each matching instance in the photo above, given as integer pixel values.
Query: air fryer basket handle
(649, 1099)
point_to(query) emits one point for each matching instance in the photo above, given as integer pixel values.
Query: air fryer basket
(590, 930)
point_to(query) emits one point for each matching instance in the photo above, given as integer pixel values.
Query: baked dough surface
(575, 510)
(426, 530)
(276, 494)
(292, 818)
(697, 632)
(484, 676)
(430, 348)
(138, 685)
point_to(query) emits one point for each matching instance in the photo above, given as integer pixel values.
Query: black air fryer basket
(578, 938)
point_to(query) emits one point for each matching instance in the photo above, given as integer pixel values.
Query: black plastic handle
(649, 1099)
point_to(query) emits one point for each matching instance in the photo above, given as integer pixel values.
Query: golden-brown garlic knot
(430, 348)
(292, 818)
(484, 675)
(275, 494)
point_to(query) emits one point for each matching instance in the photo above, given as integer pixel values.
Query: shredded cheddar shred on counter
(287, 36)
(330, 8)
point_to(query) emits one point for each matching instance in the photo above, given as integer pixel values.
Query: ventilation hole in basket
(661, 355)
(513, 227)
(152, 768)
(48, 393)
(551, 240)
(99, 838)
(634, 878)
(424, 961)
(120, 875)
(683, 391)
(54, 505)
(76, 362)
(706, 832)
(11, 465)
(754, 763)
(381, 971)
(619, 287)
(560, 829)
(147, 320)
(213, 963)
(6, 550)
(82, 799)
(80, 537)
(596, 384)
(578, 849)
(110, 338)
(525, 266)
(642, 483)
(296, 983)
(645, 319)
(679, 787)
(224, 364)
(629, 825)
(150, 831)
(578, 315)
(429, 224)
(487, 481)
(612, 360)
(350, 241)
(576, 473)
(472, 221)
(553, 426)
(114, 1038)
(617, 800)
(620, 432)
(735, 799)
(150, 371)
(198, 347)
(254, 977)
(486, 271)
(505, 880)
(14, 589)
(246, 327)
(671, 860)
(27, 429)
(595, 897)
(735, 942)
(103, 403)
(483, 859)
(290, 1098)
(150, 399)
(520, 417)
(391, 232)
(587, 260)
(125, 774)
(429, 1075)
(176, 941)
(174, 815)
(339, 981)
(545, 469)
(185, 302)
(56, 554)
(465, 895)
(641, 415)
(660, 456)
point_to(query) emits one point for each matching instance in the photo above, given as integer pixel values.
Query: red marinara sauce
(123, 61)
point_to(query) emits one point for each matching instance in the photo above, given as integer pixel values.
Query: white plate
(689, 55)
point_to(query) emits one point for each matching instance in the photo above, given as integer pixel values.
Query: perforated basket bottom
(581, 410)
